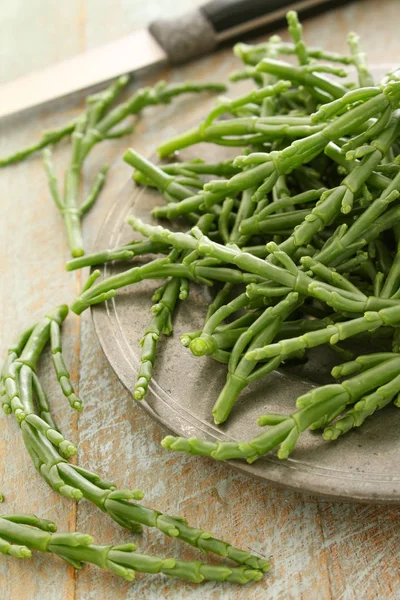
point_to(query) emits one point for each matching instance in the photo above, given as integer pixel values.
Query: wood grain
(321, 551)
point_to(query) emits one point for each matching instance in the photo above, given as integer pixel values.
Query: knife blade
(190, 36)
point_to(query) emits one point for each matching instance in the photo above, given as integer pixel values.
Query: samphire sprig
(97, 123)
(318, 408)
(161, 323)
(49, 451)
(101, 120)
(21, 533)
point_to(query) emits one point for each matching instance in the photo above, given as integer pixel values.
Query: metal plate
(360, 466)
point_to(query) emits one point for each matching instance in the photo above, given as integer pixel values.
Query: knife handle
(200, 31)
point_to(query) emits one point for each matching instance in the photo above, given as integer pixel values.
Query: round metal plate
(360, 466)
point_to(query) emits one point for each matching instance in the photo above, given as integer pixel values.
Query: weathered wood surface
(321, 551)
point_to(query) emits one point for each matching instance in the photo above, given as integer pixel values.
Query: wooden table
(320, 550)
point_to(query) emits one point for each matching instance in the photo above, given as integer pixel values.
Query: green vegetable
(49, 138)
(364, 76)
(92, 127)
(242, 371)
(159, 268)
(125, 252)
(49, 450)
(332, 334)
(321, 405)
(160, 323)
(309, 211)
(19, 534)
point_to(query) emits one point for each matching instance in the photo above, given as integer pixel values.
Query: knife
(190, 36)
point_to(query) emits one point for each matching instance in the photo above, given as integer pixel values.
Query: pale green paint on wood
(321, 551)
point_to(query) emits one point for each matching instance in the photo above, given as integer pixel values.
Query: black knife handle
(227, 14)
(200, 31)
(234, 18)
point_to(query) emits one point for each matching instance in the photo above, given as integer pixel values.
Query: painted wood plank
(33, 280)
(107, 20)
(37, 33)
(320, 550)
